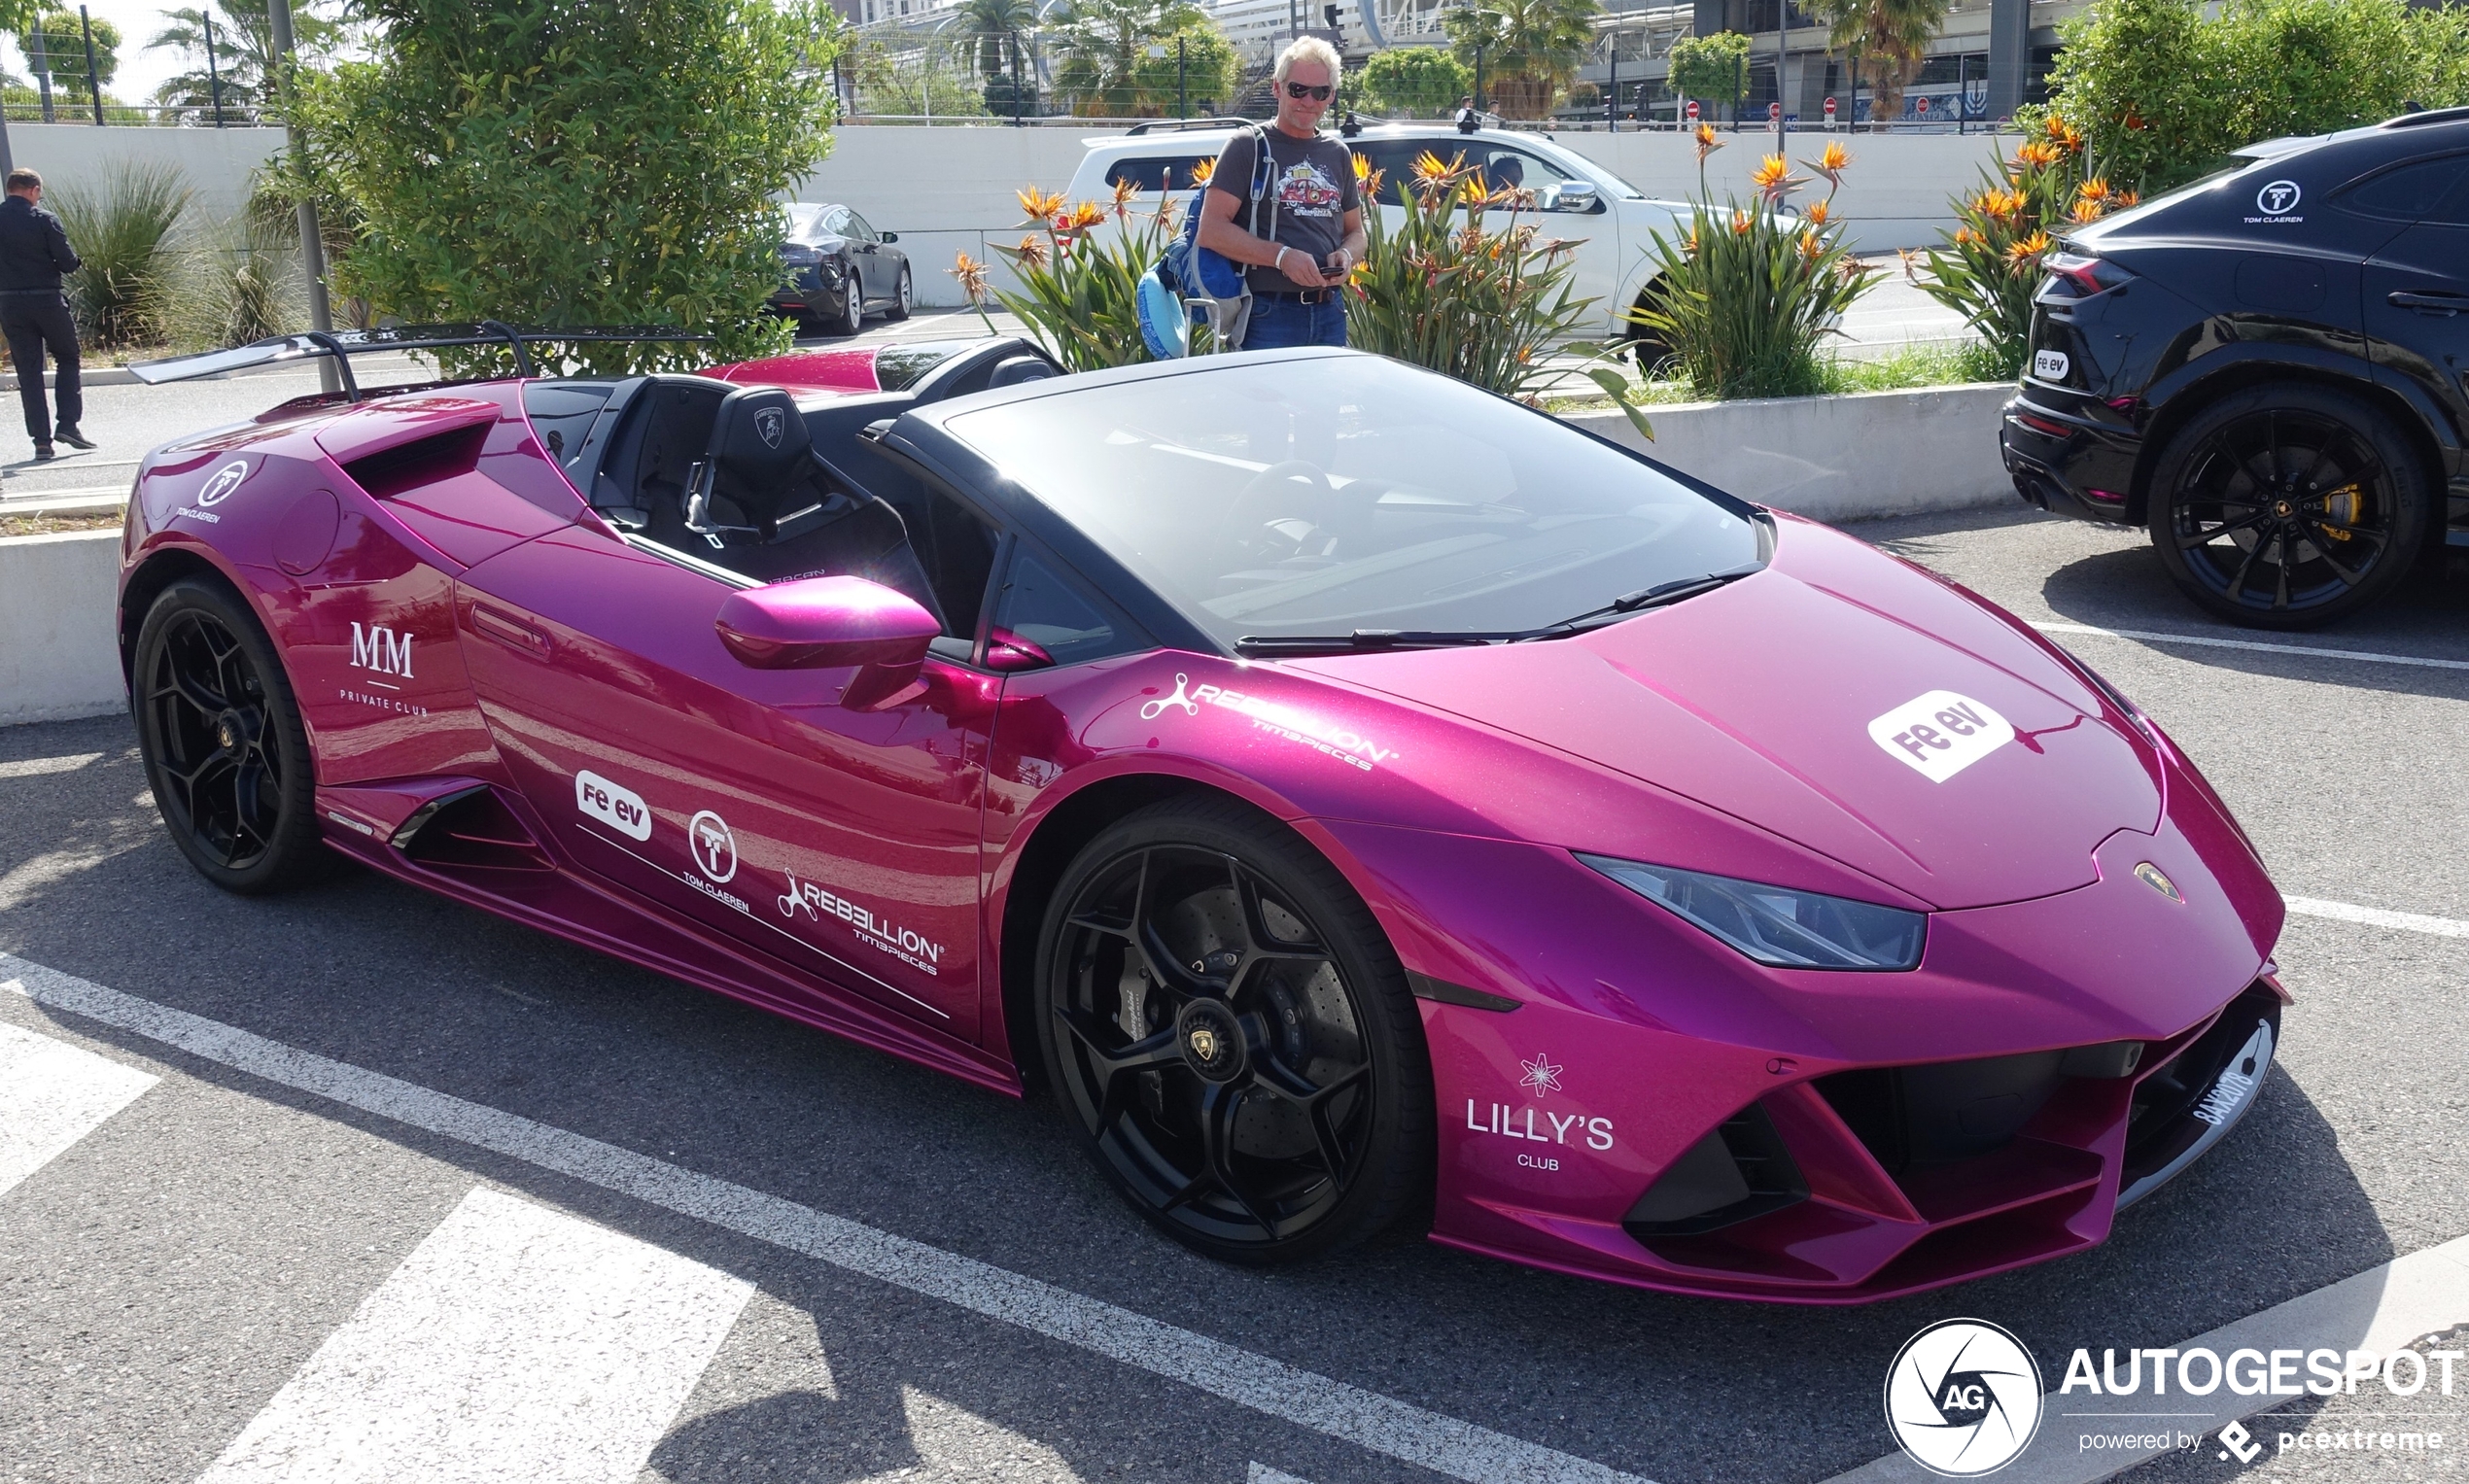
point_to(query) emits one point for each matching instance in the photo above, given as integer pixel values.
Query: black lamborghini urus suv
(2270, 368)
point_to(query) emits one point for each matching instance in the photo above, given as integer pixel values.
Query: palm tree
(242, 46)
(1103, 41)
(1529, 48)
(990, 24)
(1888, 37)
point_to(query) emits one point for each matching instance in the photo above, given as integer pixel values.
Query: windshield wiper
(1363, 641)
(1661, 594)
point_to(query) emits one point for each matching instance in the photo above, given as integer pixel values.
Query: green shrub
(1416, 82)
(1748, 294)
(1440, 290)
(123, 233)
(242, 284)
(2163, 94)
(1713, 69)
(574, 162)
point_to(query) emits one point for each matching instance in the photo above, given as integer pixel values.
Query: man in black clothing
(34, 252)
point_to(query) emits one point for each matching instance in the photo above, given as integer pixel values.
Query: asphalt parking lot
(838, 1267)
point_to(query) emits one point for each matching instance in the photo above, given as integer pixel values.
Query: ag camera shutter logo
(1962, 1398)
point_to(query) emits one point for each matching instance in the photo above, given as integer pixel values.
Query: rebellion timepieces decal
(1346, 746)
(712, 846)
(911, 947)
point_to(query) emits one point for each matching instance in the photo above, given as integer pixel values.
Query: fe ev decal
(2049, 366)
(614, 804)
(1941, 734)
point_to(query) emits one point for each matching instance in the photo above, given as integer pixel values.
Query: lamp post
(94, 83)
(1182, 90)
(43, 72)
(278, 17)
(1783, 29)
(214, 78)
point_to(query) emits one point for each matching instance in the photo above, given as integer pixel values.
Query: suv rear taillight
(2080, 276)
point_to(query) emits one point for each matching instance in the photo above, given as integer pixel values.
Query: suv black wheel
(220, 733)
(2288, 507)
(1229, 1027)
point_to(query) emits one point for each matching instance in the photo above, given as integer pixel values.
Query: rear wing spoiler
(344, 344)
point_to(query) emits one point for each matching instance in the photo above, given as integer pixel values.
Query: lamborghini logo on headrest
(768, 425)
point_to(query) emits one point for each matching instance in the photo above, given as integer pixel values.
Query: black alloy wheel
(224, 751)
(2288, 507)
(853, 304)
(1232, 1032)
(903, 299)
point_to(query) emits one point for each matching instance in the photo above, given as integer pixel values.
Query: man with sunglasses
(1312, 210)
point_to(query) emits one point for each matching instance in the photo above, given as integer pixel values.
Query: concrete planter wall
(1829, 458)
(1836, 458)
(57, 654)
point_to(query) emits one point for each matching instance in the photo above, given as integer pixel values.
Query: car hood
(1793, 699)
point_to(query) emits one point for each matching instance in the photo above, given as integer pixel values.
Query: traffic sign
(1693, 110)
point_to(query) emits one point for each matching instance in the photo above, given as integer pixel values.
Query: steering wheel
(1255, 505)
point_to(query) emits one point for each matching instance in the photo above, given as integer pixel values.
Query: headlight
(1777, 925)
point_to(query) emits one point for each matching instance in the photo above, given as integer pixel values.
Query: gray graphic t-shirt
(1312, 181)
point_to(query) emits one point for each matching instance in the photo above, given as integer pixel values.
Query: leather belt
(1303, 296)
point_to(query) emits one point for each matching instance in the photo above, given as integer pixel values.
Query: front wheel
(1230, 1032)
(220, 734)
(2288, 507)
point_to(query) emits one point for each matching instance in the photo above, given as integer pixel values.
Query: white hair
(1310, 49)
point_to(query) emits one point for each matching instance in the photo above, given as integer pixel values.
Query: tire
(903, 299)
(852, 306)
(220, 734)
(2290, 506)
(1649, 346)
(1274, 1106)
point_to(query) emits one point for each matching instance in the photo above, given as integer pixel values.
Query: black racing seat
(769, 508)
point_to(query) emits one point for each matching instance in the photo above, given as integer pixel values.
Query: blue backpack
(1190, 271)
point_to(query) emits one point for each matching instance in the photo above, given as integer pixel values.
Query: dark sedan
(2267, 368)
(838, 269)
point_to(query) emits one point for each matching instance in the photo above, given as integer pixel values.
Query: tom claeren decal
(219, 483)
(876, 932)
(380, 649)
(2276, 204)
(1346, 746)
(1941, 734)
(1540, 1125)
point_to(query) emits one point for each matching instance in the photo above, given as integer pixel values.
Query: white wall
(58, 654)
(947, 191)
(218, 162)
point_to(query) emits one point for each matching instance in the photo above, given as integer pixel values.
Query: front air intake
(1739, 1171)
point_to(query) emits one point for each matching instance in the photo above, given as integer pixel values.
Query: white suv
(1610, 219)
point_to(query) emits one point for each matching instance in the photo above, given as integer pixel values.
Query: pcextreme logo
(1962, 1398)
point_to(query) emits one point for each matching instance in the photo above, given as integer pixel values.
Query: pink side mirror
(1007, 653)
(824, 623)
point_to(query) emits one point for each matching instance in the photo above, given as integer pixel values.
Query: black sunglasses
(1307, 91)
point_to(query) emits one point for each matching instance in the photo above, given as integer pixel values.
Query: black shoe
(45, 452)
(73, 438)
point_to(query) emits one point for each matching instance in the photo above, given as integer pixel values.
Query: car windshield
(1323, 496)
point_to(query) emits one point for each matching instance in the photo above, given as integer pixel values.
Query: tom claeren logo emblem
(2278, 198)
(1152, 710)
(222, 481)
(768, 423)
(715, 848)
(1962, 1398)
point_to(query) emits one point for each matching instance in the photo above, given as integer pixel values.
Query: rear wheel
(1227, 1024)
(852, 306)
(1648, 345)
(2288, 507)
(903, 299)
(225, 749)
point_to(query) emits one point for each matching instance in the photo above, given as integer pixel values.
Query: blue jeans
(1280, 324)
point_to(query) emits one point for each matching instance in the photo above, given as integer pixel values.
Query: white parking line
(36, 767)
(516, 1343)
(1445, 1445)
(2382, 1309)
(2406, 921)
(2209, 642)
(53, 1095)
